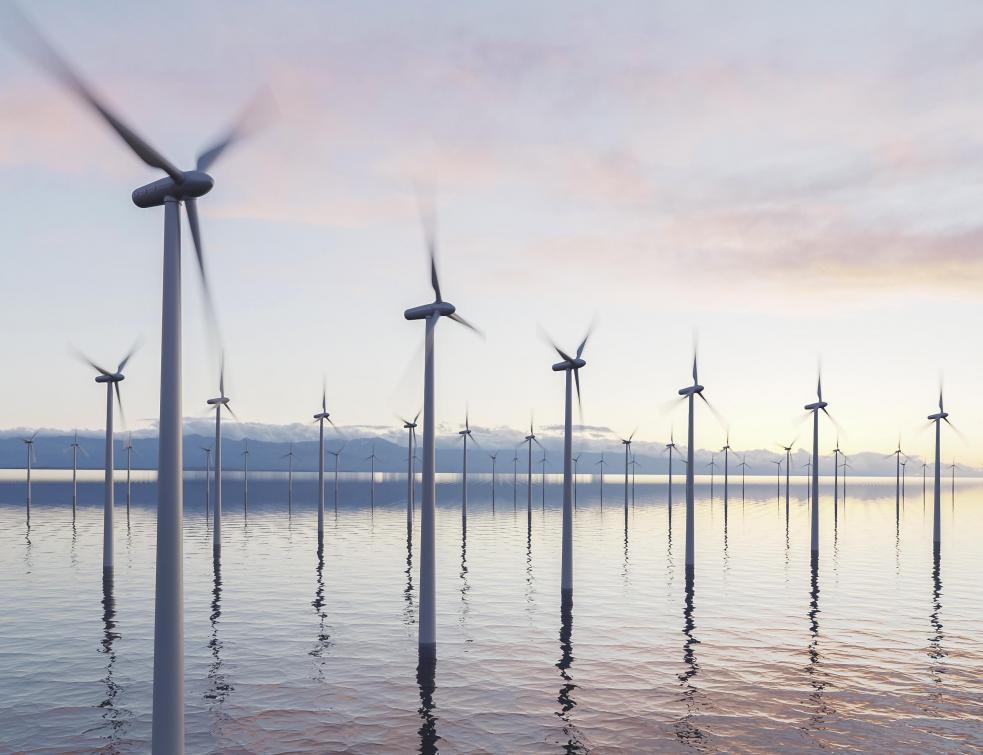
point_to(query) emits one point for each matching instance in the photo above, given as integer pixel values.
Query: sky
(783, 182)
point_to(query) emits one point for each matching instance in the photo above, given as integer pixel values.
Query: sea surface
(877, 648)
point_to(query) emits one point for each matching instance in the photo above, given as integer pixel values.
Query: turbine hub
(219, 400)
(574, 364)
(815, 406)
(690, 390)
(321, 415)
(426, 311)
(114, 378)
(938, 415)
(195, 184)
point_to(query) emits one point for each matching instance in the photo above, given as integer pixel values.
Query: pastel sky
(791, 181)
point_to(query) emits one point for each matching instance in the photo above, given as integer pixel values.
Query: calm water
(877, 650)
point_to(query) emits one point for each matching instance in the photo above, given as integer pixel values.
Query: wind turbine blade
(125, 360)
(536, 441)
(835, 423)
(580, 404)
(717, 415)
(324, 395)
(229, 410)
(583, 343)
(119, 403)
(221, 377)
(93, 365)
(28, 38)
(457, 318)
(191, 207)
(244, 124)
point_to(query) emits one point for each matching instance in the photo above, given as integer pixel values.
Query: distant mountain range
(268, 445)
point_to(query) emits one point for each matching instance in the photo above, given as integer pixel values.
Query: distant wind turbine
(371, 459)
(289, 456)
(245, 476)
(743, 467)
(31, 458)
(836, 476)
(112, 381)
(788, 466)
(726, 450)
(713, 468)
(815, 408)
(807, 466)
(129, 467)
(430, 313)
(76, 447)
(576, 461)
(494, 461)
(219, 402)
(529, 440)
(952, 477)
(634, 463)
(410, 427)
(542, 477)
(778, 478)
(515, 478)
(689, 393)
(601, 463)
(938, 418)
(626, 442)
(337, 456)
(208, 482)
(671, 447)
(320, 418)
(897, 454)
(465, 434)
(570, 366)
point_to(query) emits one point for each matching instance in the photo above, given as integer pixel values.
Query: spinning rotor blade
(191, 207)
(93, 365)
(35, 46)
(457, 318)
(129, 354)
(243, 125)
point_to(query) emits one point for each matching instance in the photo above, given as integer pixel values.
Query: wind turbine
(337, 456)
(726, 450)
(320, 418)
(245, 475)
(938, 418)
(807, 466)
(634, 463)
(671, 447)
(410, 427)
(576, 461)
(778, 481)
(290, 477)
(952, 477)
(31, 457)
(897, 454)
(371, 459)
(494, 461)
(515, 477)
(713, 468)
(904, 477)
(626, 442)
(179, 186)
(816, 407)
(571, 367)
(601, 463)
(112, 381)
(689, 393)
(743, 467)
(465, 434)
(529, 440)
(129, 453)
(219, 402)
(788, 466)
(542, 477)
(208, 482)
(430, 314)
(76, 447)
(836, 476)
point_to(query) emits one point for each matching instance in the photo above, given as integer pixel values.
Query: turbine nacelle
(569, 364)
(111, 378)
(322, 415)
(426, 311)
(816, 406)
(195, 184)
(691, 390)
(219, 400)
(938, 415)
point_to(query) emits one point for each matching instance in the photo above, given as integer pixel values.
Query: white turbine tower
(529, 440)
(671, 448)
(815, 408)
(601, 463)
(245, 476)
(410, 427)
(938, 418)
(430, 314)
(31, 458)
(494, 461)
(690, 392)
(726, 450)
(337, 456)
(576, 461)
(836, 477)
(371, 459)
(626, 442)
(465, 434)
(208, 481)
(571, 366)
(76, 447)
(515, 478)
(129, 469)
(290, 478)
(219, 402)
(112, 381)
(743, 467)
(321, 417)
(179, 186)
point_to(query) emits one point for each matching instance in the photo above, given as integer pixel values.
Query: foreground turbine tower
(112, 381)
(219, 402)
(169, 192)
(817, 406)
(689, 392)
(571, 366)
(430, 314)
(938, 418)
